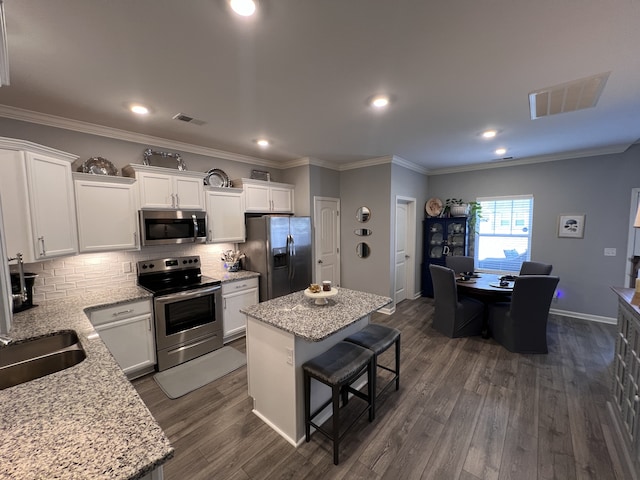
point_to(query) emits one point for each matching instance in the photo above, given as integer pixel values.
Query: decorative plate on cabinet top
(98, 166)
(433, 207)
(216, 178)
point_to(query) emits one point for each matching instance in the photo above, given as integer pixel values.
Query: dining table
(486, 288)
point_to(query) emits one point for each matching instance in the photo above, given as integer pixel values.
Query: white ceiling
(300, 73)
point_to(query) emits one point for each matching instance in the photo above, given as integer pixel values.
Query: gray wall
(369, 187)
(299, 176)
(600, 187)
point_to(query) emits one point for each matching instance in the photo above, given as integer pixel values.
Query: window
(503, 237)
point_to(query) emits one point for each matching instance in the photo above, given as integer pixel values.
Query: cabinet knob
(319, 261)
(636, 399)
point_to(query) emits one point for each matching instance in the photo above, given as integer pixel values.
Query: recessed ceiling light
(380, 101)
(489, 133)
(263, 142)
(246, 8)
(139, 109)
(501, 151)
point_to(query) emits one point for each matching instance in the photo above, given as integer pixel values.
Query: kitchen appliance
(167, 227)
(187, 308)
(279, 248)
(24, 301)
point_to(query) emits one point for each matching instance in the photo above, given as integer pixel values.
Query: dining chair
(521, 325)
(454, 316)
(460, 263)
(535, 268)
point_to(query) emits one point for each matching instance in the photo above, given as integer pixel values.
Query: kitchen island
(284, 333)
(86, 421)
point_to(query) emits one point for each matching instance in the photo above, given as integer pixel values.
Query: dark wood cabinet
(441, 237)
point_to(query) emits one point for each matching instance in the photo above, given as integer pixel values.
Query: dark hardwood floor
(467, 409)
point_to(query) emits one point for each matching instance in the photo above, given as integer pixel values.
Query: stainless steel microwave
(167, 227)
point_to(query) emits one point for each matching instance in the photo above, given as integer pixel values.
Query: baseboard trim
(584, 316)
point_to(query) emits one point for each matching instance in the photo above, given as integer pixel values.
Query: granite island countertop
(86, 421)
(299, 315)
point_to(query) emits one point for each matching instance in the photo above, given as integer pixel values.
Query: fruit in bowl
(315, 288)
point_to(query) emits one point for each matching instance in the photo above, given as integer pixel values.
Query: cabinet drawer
(121, 311)
(239, 285)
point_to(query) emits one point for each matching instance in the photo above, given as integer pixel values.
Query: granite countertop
(83, 422)
(225, 276)
(299, 315)
(630, 296)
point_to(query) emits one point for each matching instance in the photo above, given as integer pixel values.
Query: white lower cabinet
(236, 295)
(127, 330)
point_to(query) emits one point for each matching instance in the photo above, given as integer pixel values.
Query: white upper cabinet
(225, 215)
(37, 193)
(107, 213)
(160, 187)
(266, 197)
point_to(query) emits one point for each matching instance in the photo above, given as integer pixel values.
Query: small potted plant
(456, 207)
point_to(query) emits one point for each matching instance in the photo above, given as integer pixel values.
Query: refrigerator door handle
(291, 251)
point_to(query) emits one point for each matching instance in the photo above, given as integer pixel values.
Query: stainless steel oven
(187, 309)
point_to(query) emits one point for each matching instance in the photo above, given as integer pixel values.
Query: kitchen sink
(37, 357)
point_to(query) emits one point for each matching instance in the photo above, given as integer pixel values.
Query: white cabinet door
(106, 213)
(131, 342)
(156, 190)
(281, 199)
(225, 215)
(236, 295)
(257, 198)
(160, 190)
(53, 211)
(188, 193)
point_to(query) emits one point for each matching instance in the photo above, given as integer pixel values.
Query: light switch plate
(609, 252)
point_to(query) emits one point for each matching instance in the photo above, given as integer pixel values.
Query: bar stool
(378, 338)
(338, 368)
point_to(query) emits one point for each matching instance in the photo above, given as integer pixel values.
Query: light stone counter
(225, 276)
(86, 421)
(300, 316)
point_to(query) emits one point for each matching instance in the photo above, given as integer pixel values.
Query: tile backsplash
(76, 275)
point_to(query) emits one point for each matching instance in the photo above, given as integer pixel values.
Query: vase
(459, 210)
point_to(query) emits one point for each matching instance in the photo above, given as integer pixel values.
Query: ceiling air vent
(567, 97)
(186, 118)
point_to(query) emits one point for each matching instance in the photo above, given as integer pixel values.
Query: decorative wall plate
(433, 207)
(98, 166)
(216, 178)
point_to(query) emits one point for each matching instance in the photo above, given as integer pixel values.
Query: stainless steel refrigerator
(279, 248)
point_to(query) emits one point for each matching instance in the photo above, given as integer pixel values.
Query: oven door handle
(195, 293)
(195, 228)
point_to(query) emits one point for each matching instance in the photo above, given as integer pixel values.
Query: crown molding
(409, 165)
(115, 133)
(310, 161)
(613, 149)
(18, 144)
(371, 162)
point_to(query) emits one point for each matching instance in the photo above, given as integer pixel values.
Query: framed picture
(571, 226)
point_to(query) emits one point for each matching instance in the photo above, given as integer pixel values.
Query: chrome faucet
(22, 296)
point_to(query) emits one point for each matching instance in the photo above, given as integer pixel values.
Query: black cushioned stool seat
(338, 368)
(378, 338)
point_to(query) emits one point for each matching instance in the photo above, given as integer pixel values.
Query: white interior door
(401, 252)
(327, 239)
(405, 247)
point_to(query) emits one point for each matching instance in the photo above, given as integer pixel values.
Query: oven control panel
(168, 264)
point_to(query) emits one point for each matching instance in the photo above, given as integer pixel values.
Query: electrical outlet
(126, 267)
(289, 356)
(609, 252)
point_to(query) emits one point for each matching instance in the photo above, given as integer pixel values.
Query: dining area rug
(189, 376)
